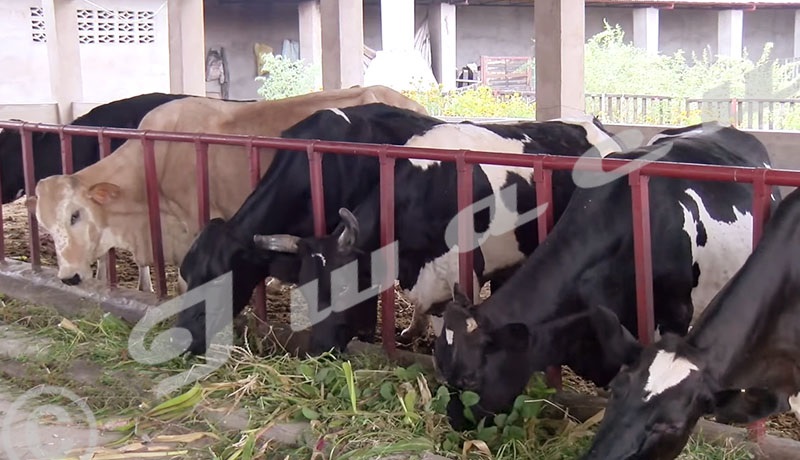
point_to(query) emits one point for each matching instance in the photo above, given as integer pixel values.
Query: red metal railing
(543, 164)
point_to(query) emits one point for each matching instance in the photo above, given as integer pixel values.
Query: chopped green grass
(358, 407)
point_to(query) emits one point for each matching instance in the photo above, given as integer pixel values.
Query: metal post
(643, 255)
(466, 224)
(30, 191)
(154, 211)
(201, 171)
(317, 190)
(260, 294)
(104, 144)
(387, 237)
(544, 195)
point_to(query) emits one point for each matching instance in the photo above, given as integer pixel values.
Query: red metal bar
(387, 238)
(154, 210)
(260, 294)
(30, 191)
(466, 225)
(317, 189)
(643, 256)
(104, 144)
(66, 151)
(544, 195)
(255, 163)
(203, 205)
(762, 200)
(661, 169)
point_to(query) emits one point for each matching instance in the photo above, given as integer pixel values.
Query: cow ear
(103, 192)
(747, 405)
(511, 337)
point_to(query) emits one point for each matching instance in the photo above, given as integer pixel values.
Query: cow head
(496, 362)
(216, 251)
(318, 259)
(472, 354)
(655, 404)
(76, 217)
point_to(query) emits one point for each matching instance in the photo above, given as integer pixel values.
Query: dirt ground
(17, 236)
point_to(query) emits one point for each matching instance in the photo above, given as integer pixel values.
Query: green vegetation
(360, 408)
(286, 78)
(616, 67)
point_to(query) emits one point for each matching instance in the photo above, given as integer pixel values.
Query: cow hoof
(75, 280)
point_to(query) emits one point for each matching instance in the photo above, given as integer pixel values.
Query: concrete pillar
(397, 25)
(310, 28)
(64, 56)
(342, 43)
(187, 47)
(559, 29)
(442, 25)
(645, 29)
(729, 33)
(797, 33)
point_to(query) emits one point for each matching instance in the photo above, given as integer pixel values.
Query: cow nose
(76, 279)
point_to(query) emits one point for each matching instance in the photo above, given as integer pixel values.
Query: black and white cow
(281, 203)
(123, 113)
(740, 362)
(701, 234)
(426, 208)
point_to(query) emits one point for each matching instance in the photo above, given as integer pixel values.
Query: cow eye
(74, 218)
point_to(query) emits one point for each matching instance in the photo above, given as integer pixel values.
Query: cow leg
(145, 282)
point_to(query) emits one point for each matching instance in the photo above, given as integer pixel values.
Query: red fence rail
(639, 173)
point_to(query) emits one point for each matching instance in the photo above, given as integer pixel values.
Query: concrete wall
(26, 71)
(238, 28)
(124, 67)
(690, 30)
(511, 32)
(762, 26)
(622, 16)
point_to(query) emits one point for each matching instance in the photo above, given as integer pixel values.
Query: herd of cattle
(727, 318)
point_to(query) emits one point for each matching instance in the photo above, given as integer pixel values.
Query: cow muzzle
(74, 280)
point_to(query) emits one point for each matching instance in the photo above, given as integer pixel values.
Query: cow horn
(278, 243)
(349, 235)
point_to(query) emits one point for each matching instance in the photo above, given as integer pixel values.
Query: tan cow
(104, 206)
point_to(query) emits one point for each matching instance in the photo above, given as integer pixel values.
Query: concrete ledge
(42, 286)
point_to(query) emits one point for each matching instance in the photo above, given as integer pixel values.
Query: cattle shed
(210, 47)
(335, 30)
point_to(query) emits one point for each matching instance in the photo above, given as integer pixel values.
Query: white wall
(110, 70)
(116, 70)
(26, 73)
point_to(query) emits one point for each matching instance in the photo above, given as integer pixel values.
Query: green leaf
(487, 434)
(309, 413)
(500, 419)
(387, 391)
(469, 398)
